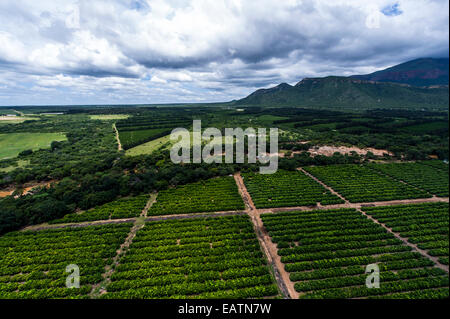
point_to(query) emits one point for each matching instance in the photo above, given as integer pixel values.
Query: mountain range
(419, 72)
(420, 83)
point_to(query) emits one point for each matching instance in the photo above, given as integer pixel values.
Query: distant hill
(419, 72)
(353, 93)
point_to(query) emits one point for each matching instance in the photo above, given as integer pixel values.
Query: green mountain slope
(342, 92)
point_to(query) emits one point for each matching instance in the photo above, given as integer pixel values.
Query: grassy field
(149, 147)
(13, 143)
(108, 117)
(16, 119)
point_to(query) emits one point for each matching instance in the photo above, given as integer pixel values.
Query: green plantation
(33, 263)
(423, 176)
(122, 208)
(194, 258)
(144, 128)
(425, 225)
(326, 252)
(436, 164)
(359, 183)
(141, 226)
(286, 188)
(130, 139)
(217, 194)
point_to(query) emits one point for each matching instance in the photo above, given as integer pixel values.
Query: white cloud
(155, 51)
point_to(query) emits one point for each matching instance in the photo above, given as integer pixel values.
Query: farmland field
(425, 177)
(427, 128)
(359, 183)
(141, 129)
(12, 144)
(217, 194)
(194, 258)
(109, 117)
(285, 188)
(33, 263)
(16, 119)
(201, 236)
(326, 252)
(149, 147)
(121, 208)
(436, 164)
(132, 138)
(423, 224)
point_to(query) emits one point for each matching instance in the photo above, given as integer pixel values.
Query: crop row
(136, 123)
(433, 180)
(122, 208)
(33, 263)
(213, 266)
(286, 188)
(423, 224)
(326, 253)
(359, 183)
(130, 139)
(137, 130)
(217, 194)
(436, 164)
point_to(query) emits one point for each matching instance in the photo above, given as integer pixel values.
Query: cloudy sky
(152, 51)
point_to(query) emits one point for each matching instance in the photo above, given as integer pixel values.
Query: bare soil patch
(329, 150)
(27, 188)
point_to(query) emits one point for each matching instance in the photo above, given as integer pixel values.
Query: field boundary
(270, 250)
(119, 145)
(139, 223)
(323, 185)
(285, 285)
(273, 210)
(406, 242)
(100, 288)
(401, 181)
(248, 201)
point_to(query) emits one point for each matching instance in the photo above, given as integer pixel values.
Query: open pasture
(12, 144)
(109, 117)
